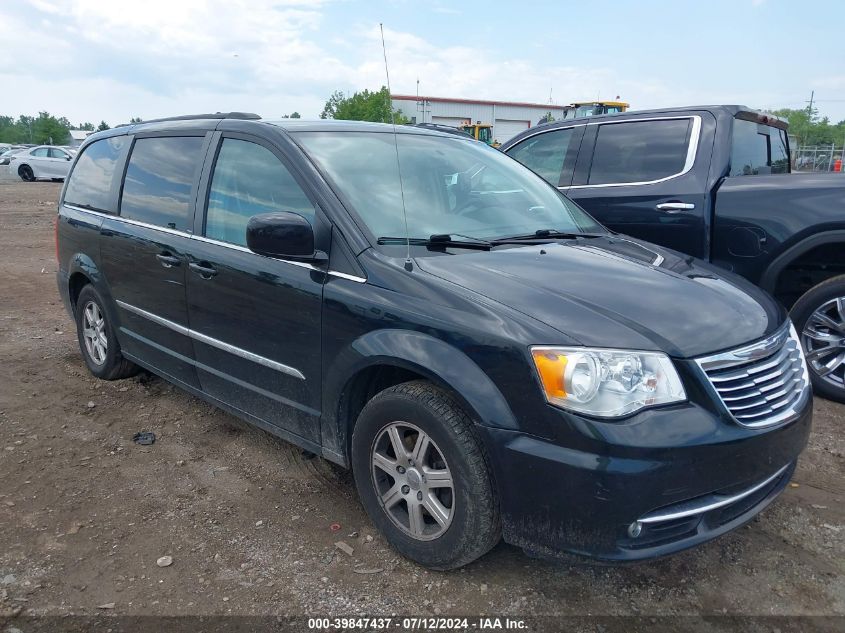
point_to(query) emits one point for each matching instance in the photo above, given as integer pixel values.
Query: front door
(256, 319)
(144, 253)
(639, 180)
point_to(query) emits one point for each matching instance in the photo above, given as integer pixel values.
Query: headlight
(606, 382)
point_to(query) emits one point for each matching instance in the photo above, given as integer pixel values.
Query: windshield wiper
(544, 234)
(439, 240)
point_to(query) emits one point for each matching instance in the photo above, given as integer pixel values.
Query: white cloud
(117, 59)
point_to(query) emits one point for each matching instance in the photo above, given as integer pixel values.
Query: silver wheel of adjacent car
(413, 481)
(94, 333)
(823, 338)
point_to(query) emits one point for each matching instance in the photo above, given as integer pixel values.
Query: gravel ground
(85, 513)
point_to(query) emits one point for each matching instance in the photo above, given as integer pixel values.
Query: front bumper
(655, 495)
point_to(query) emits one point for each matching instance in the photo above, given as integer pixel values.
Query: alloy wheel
(94, 333)
(413, 481)
(823, 339)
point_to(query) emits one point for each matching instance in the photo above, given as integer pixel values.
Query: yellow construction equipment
(480, 132)
(593, 108)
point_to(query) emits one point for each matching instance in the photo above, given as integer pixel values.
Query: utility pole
(810, 107)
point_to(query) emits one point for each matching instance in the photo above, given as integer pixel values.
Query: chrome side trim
(213, 342)
(154, 227)
(564, 127)
(339, 275)
(692, 148)
(705, 504)
(209, 240)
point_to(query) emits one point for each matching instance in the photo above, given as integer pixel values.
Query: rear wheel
(819, 317)
(97, 340)
(423, 476)
(26, 173)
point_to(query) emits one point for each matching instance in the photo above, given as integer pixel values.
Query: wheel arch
(383, 358)
(772, 279)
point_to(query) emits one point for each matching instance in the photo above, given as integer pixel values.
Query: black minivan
(488, 359)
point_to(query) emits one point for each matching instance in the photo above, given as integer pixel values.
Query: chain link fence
(819, 158)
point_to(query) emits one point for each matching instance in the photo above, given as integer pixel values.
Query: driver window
(248, 179)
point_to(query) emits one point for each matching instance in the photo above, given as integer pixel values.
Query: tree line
(809, 128)
(42, 129)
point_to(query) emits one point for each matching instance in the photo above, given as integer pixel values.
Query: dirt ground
(85, 513)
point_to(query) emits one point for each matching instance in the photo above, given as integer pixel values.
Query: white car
(44, 161)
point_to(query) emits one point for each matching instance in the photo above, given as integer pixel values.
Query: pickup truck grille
(763, 383)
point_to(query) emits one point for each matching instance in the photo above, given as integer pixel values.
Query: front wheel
(26, 173)
(423, 476)
(819, 317)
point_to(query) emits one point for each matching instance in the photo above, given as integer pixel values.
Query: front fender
(440, 362)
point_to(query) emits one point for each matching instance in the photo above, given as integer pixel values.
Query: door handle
(204, 270)
(675, 207)
(167, 260)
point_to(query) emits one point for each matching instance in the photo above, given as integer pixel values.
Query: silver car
(43, 161)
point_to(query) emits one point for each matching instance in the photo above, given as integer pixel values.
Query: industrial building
(508, 118)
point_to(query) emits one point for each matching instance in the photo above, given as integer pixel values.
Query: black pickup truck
(714, 182)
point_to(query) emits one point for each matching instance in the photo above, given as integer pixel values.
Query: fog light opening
(635, 529)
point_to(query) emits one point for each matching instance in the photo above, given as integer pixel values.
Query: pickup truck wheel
(26, 173)
(819, 317)
(97, 340)
(423, 476)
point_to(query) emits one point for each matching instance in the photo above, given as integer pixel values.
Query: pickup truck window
(757, 149)
(640, 151)
(545, 153)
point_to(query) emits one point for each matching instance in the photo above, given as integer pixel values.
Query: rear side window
(545, 154)
(159, 178)
(91, 181)
(758, 149)
(248, 180)
(640, 151)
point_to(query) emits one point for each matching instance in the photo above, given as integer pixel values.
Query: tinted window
(159, 177)
(639, 151)
(90, 183)
(41, 152)
(545, 154)
(248, 180)
(757, 149)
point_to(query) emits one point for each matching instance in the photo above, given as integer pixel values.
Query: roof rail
(246, 116)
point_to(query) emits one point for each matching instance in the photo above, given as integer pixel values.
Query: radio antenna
(408, 264)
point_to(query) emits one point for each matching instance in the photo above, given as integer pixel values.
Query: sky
(92, 60)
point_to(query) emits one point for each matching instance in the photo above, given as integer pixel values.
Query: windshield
(451, 186)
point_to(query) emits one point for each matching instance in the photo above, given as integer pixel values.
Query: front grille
(763, 383)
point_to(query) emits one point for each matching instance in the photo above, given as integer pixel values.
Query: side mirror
(282, 234)
(68, 157)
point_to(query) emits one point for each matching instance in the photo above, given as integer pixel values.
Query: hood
(618, 292)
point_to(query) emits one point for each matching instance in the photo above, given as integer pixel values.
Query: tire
(26, 173)
(819, 318)
(103, 358)
(473, 525)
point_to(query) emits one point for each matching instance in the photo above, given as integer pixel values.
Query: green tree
(295, 115)
(136, 119)
(103, 126)
(88, 127)
(362, 106)
(48, 129)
